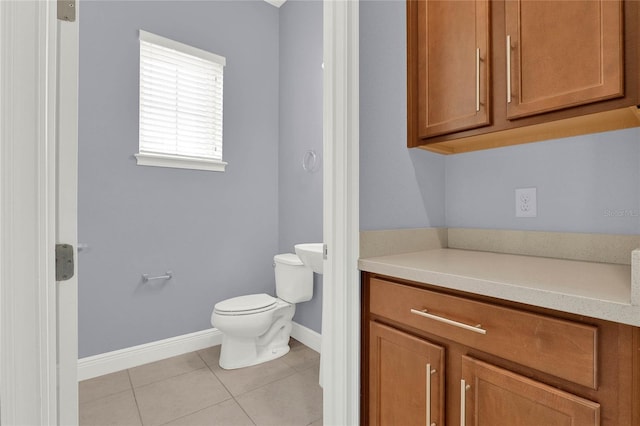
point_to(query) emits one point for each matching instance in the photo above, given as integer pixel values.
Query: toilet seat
(246, 305)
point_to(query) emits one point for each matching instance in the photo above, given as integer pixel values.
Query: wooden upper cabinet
(489, 73)
(495, 396)
(451, 42)
(406, 383)
(562, 54)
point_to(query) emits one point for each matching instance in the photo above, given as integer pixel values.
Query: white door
(38, 334)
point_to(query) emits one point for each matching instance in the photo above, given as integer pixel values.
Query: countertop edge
(610, 310)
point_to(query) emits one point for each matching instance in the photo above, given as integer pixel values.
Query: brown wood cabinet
(495, 396)
(562, 54)
(413, 394)
(488, 73)
(434, 356)
(453, 70)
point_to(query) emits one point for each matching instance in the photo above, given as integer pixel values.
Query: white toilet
(256, 328)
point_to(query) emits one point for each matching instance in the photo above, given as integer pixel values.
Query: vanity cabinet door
(562, 54)
(406, 379)
(451, 42)
(494, 396)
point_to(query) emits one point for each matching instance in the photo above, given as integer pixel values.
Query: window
(180, 105)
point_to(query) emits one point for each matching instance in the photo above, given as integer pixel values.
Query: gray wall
(585, 184)
(399, 188)
(300, 131)
(217, 232)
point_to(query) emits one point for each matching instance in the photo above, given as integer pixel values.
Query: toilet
(256, 327)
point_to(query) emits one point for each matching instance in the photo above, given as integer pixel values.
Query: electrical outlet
(526, 203)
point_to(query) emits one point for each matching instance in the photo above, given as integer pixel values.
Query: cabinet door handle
(426, 314)
(429, 373)
(477, 79)
(463, 402)
(508, 69)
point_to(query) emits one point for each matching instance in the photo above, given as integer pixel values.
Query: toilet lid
(243, 304)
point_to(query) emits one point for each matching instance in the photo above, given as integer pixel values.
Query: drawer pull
(426, 314)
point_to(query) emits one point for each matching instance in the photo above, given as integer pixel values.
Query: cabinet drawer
(564, 349)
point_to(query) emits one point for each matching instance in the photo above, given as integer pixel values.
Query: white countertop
(598, 290)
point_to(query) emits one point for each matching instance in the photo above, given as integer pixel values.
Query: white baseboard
(134, 356)
(307, 337)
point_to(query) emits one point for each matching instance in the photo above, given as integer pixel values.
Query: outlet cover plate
(526, 202)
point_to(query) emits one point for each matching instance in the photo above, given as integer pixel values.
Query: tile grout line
(225, 387)
(102, 396)
(243, 410)
(294, 370)
(135, 398)
(197, 411)
(310, 423)
(259, 387)
(169, 377)
(268, 384)
(206, 367)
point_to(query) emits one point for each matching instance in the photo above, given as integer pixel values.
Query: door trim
(28, 373)
(341, 228)
(67, 216)
(28, 176)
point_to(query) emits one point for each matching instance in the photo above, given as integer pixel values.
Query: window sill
(176, 162)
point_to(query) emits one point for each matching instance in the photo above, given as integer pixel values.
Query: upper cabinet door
(453, 65)
(562, 54)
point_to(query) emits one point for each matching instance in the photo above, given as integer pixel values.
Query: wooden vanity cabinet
(488, 73)
(492, 362)
(412, 394)
(496, 396)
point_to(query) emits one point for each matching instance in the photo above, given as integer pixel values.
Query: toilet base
(239, 352)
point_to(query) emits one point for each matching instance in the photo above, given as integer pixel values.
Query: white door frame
(38, 189)
(341, 294)
(28, 377)
(28, 317)
(67, 216)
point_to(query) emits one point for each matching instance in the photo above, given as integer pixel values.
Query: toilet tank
(294, 281)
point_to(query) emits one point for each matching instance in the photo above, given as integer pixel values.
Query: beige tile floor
(193, 390)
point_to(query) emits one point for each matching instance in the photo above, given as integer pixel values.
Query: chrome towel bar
(168, 275)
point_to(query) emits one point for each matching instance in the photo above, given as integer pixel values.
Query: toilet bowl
(256, 327)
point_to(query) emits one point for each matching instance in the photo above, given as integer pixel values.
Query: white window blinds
(180, 105)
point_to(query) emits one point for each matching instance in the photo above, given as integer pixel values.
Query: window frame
(159, 159)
